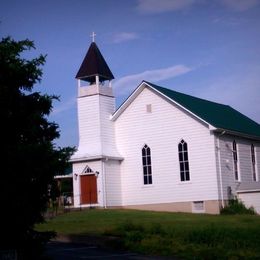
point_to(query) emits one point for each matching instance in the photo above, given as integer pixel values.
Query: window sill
(147, 186)
(185, 182)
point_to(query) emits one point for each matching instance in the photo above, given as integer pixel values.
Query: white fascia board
(94, 158)
(144, 84)
(230, 132)
(248, 191)
(137, 91)
(212, 128)
(128, 101)
(63, 176)
(84, 158)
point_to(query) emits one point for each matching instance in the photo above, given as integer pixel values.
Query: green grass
(190, 236)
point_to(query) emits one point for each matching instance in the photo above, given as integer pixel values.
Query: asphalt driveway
(75, 251)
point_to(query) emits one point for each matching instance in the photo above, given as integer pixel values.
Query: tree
(29, 156)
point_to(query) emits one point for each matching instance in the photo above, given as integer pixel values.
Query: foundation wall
(210, 207)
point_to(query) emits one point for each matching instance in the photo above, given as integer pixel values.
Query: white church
(160, 150)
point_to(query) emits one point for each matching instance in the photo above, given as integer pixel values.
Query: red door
(88, 185)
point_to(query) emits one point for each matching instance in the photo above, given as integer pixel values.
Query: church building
(161, 149)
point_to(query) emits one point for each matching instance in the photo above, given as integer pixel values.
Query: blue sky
(206, 48)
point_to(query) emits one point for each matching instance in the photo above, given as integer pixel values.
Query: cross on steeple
(94, 65)
(93, 36)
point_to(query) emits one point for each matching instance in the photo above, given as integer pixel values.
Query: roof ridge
(219, 115)
(188, 95)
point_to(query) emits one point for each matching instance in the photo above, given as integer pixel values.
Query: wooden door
(88, 185)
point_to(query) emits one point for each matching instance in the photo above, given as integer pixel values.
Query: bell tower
(95, 105)
(96, 163)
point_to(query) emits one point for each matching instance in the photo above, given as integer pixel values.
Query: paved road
(75, 251)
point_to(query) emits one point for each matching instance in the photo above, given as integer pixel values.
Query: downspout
(104, 184)
(220, 172)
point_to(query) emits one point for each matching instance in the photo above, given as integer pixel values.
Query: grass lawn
(189, 236)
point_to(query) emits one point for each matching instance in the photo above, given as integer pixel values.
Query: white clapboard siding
(78, 169)
(96, 130)
(107, 131)
(89, 125)
(251, 199)
(257, 149)
(162, 130)
(227, 166)
(244, 162)
(113, 183)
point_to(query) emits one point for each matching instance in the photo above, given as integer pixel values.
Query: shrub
(237, 207)
(211, 241)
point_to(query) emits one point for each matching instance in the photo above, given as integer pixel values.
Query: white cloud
(64, 106)
(126, 84)
(240, 5)
(124, 36)
(228, 20)
(161, 6)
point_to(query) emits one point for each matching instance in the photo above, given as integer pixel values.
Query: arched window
(147, 165)
(235, 160)
(253, 162)
(184, 161)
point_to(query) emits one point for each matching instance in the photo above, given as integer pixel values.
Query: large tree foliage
(29, 156)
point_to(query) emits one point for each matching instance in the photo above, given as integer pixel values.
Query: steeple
(97, 145)
(93, 66)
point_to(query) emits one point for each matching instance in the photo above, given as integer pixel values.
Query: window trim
(183, 154)
(147, 165)
(253, 163)
(235, 156)
(196, 207)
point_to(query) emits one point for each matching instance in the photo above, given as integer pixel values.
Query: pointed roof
(93, 65)
(218, 116)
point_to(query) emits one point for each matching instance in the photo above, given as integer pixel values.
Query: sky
(205, 48)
